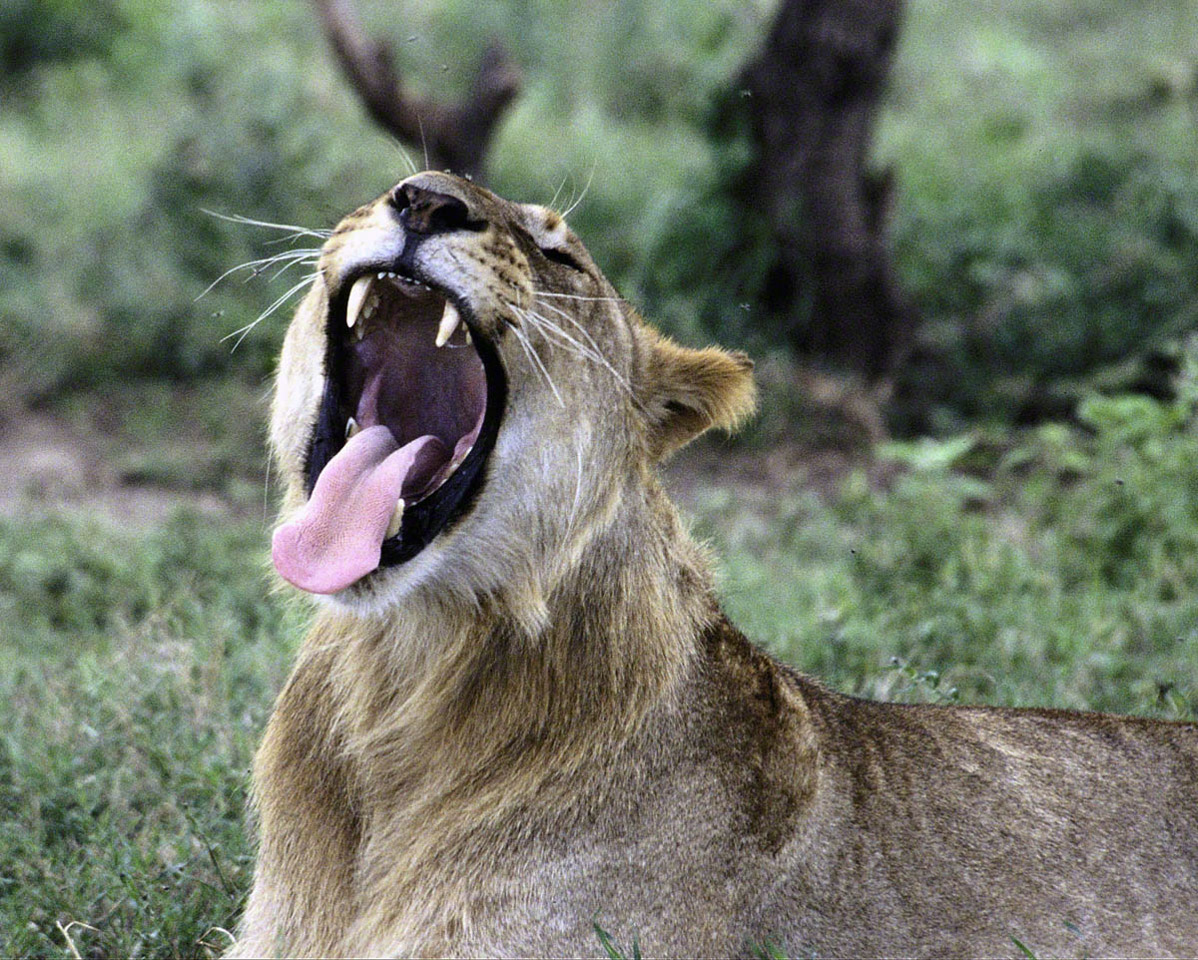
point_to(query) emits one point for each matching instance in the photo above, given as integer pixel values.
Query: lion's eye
(563, 257)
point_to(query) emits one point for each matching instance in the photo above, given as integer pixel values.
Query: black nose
(426, 211)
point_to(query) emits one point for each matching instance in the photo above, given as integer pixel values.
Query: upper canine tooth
(357, 296)
(449, 323)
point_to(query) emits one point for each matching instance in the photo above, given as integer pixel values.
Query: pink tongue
(338, 538)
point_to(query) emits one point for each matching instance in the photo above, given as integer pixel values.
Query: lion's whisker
(575, 296)
(581, 329)
(298, 261)
(545, 327)
(585, 190)
(257, 267)
(595, 354)
(407, 157)
(266, 494)
(251, 222)
(534, 358)
(244, 331)
(557, 192)
(577, 493)
(423, 141)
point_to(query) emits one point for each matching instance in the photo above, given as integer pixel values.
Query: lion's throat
(338, 536)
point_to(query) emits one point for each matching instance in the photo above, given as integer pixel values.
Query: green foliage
(114, 150)
(1047, 216)
(1023, 949)
(110, 163)
(707, 260)
(1046, 219)
(769, 950)
(1091, 267)
(618, 108)
(41, 31)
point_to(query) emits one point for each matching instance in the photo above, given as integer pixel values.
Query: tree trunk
(814, 93)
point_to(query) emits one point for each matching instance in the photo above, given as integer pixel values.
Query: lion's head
(463, 399)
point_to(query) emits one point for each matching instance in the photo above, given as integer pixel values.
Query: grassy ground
(139, 666)
(137, 675)
(1043, 152)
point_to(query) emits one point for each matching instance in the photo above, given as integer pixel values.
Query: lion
(521, 717)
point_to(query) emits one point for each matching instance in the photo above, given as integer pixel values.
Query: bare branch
(454, 136)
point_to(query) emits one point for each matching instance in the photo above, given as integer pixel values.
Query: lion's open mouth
(410, 411)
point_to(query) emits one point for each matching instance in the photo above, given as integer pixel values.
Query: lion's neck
(451, 691)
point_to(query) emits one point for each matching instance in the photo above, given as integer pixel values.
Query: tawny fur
(543, 721)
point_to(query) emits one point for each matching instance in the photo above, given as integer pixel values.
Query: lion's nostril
(426, 211)
(399, 198)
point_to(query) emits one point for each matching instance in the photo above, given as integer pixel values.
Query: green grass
(1059, 569)
(1045, 221)
(136, 675)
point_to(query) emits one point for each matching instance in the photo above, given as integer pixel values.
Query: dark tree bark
(814, 92)
(454, 136)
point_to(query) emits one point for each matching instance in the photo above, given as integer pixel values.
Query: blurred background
(960, 239)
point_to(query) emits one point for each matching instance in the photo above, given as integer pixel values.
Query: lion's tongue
(338, 537)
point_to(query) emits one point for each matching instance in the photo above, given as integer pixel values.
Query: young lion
(521, 713)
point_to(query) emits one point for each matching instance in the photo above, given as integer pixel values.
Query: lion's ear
(685, 392)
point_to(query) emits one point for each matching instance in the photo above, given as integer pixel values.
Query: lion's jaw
(559, 399)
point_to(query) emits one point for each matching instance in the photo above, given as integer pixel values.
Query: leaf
(928, 454)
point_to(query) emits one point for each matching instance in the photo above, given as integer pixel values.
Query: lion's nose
(425, 211)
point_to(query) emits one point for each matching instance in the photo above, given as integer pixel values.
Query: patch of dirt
(48, 466)
(765, 475)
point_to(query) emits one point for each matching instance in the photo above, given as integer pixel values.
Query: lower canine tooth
(396, 519)
(351, 428)
(449, 323)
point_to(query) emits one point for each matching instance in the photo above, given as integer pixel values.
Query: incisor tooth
(396, 519)
(449, 323)
(357, 296)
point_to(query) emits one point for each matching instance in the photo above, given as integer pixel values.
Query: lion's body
(544, 722)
